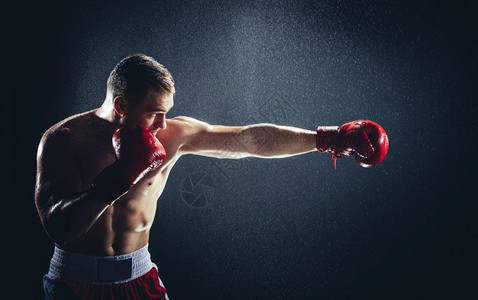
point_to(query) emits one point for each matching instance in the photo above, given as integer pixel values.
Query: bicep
(201, 138)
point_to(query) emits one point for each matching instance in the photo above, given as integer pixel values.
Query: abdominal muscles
(124, 226)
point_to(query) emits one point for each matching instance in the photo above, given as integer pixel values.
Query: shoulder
(62, 134)
(190, 127)
(180, 131)
(187, 125)
(187, 121)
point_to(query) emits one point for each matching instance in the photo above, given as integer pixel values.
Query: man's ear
(120, 105)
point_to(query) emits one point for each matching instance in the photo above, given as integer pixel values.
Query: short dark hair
(138, 74)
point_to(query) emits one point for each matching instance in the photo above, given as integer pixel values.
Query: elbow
(57, 231)
(57, 235)
(257, 140)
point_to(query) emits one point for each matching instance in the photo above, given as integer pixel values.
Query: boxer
(100, 174)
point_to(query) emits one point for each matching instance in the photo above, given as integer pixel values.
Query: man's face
(151, 111)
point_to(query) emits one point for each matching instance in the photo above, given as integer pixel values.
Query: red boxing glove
(137, 152)
(365, 139)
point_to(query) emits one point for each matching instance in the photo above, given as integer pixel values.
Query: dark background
(272, 228)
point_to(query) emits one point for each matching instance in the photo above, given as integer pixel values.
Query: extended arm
(257, 140)
(363, 138)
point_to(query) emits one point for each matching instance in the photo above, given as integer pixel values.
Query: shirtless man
(100, 174)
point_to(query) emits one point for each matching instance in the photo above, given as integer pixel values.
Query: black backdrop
(271, 228)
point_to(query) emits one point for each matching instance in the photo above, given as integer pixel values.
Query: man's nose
(160, 122)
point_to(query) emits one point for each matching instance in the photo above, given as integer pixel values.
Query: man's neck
(107, 112)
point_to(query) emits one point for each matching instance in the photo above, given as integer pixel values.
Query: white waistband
(99, 269)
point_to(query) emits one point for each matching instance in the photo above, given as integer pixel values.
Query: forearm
(72, 217)
(275, 141)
